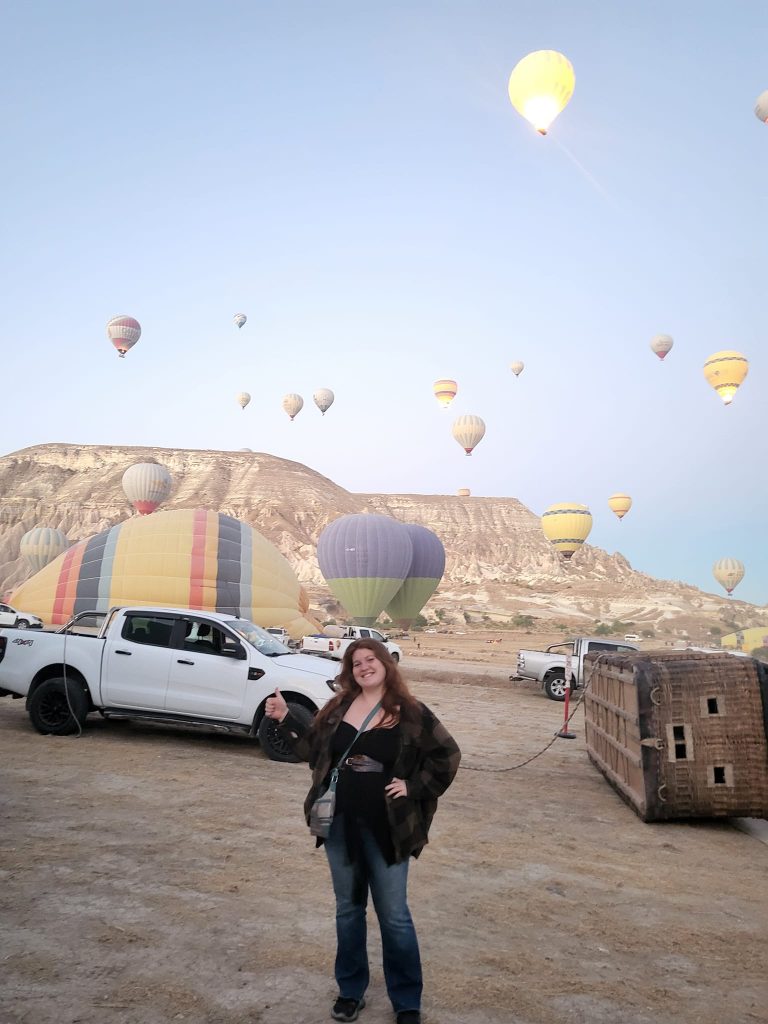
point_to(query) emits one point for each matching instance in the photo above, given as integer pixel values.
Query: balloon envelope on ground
(41, 545)
(364, 559)
(146, 485)
(424, 575)
(182, 558)
(566, 526)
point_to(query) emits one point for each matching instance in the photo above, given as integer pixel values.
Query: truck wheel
(554, 686)
(272, 743)
(49, 709)
(22, 624)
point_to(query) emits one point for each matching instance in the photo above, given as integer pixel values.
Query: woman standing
(393, 771)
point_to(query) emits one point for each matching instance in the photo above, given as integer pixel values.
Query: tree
(603, 629)
(524, 621)
(419, 623)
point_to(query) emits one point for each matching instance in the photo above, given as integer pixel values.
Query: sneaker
(347, 1009)
(409, 1017)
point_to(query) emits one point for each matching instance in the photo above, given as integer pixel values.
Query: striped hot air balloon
(445, 391)
(364, 559)
(41, 545)
(239, 319)
(123, 332)
(566, 526)
(463, 492)
(423, 577)
(185, 558)
(725, 371)
(469, 431)
(146, 485)
(729, 572)
(620, 504)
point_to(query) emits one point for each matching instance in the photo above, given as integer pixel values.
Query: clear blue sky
(353, 177)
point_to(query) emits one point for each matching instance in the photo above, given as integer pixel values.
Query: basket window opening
(678, 732)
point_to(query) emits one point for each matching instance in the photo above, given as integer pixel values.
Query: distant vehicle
(334, 646)
(165, 665)
(282, 635)
(21, 620)
(548, 667)
(632, 638)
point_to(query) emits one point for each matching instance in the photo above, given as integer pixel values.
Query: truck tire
(273, 745)
(52, 714)
(554, 686)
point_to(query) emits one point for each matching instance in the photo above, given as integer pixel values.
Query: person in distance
(386, 758)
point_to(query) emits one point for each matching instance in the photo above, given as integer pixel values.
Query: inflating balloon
(445, 391)
(123, 332)
(323, 399)
(41, 545)
(620, 504)
(566, 526)
(243, 399)
(146, 485)
(729, 572)
(661, 345)
(517, 368)
(725, 371)
(468, 431)
(240, 319)
(540, 87)
(364, 559)
(185, 558)
(424, 574)
(293, 404)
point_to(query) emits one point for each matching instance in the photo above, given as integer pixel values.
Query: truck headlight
(332, 685)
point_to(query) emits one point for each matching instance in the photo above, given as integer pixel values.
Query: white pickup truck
(338, 638)
(164, 665)
(548, 667)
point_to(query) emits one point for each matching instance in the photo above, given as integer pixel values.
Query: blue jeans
(387, 884)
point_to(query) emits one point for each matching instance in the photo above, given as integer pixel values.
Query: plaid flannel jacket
(428, 761)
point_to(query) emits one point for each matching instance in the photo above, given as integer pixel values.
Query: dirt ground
(153, 875)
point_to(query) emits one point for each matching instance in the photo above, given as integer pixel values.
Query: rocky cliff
(497, 560)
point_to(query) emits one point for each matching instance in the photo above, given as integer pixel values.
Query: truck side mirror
(240, 653)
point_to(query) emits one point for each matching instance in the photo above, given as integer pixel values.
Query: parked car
(632, 638)
(333, 643)
(21, 620)
(168, 665)
(548, 667)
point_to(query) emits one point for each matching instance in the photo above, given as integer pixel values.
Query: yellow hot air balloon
(540, 86)
(729, 572)
(620, 504)
(469, 431)
(517, 367)
(725, 371)
(445, 391)
(567, 526)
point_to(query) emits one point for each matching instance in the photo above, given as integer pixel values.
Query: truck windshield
(264, 642)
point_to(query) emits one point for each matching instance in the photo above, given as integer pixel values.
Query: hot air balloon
(41, 545)
(182, 558)
(620, 504)
(445, 391)
(239, 319)
(463, 492)
(761, 107)
(517, 368)
(468, 431)
(540, 86)
(123, 332)
(729, 572)
(661, 344)
(323, 399)
(566, 526)
(243, 399)
(293, 404)
(146, 485)
(725, 371)
(424, 574)
(364, 559)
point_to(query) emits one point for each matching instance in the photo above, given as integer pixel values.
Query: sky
(353, 177)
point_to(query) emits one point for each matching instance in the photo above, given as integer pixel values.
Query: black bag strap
(369, 718)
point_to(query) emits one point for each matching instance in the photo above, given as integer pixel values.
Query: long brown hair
(397, 698)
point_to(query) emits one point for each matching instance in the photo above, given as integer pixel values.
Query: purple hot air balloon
(424, 574)
(364, 559)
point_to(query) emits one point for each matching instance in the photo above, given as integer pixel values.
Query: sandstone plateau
(498, 564)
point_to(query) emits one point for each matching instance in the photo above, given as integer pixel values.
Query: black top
(360, 796)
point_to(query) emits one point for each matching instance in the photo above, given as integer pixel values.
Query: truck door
(207, 678)
(137, 661)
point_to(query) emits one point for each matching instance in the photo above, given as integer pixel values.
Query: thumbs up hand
(276, 707)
